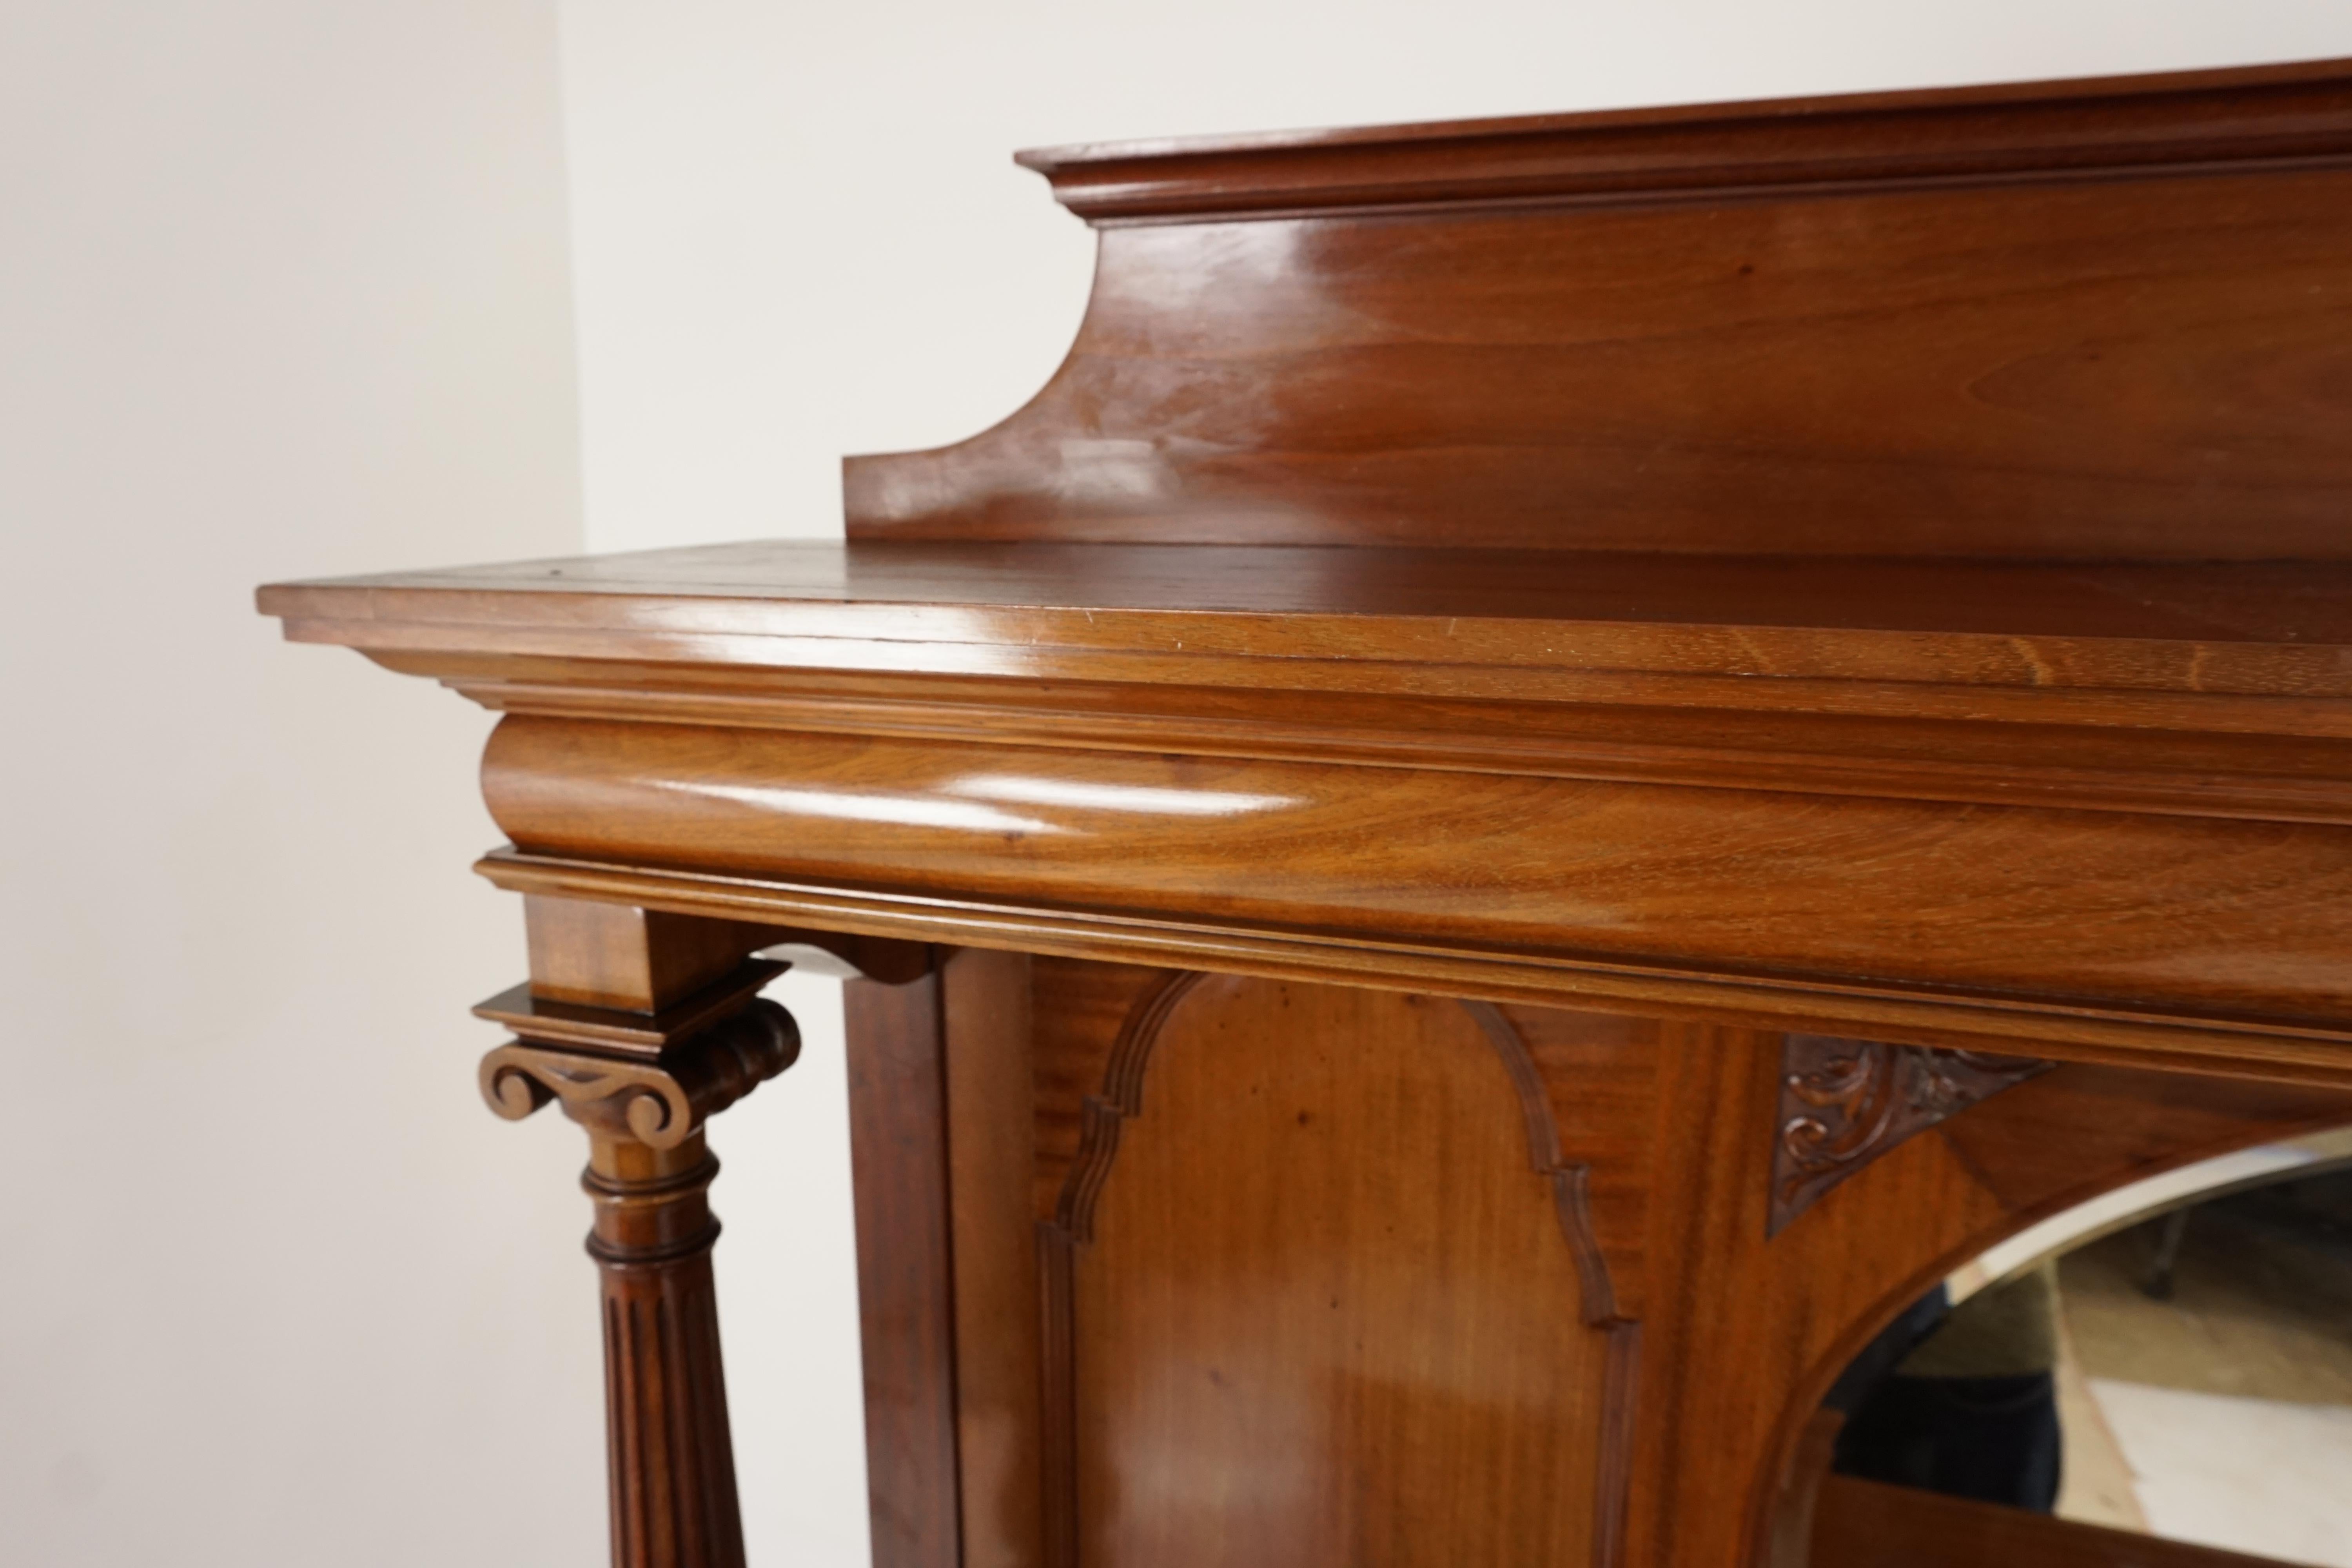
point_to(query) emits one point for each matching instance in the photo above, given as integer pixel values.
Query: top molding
(2285, 115)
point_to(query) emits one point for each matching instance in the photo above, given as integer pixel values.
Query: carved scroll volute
(674, 1502)
(1845, 1102)
(658, 1101)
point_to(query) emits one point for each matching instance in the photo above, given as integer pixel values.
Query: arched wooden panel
(1319, 1286)
(1746, 1329)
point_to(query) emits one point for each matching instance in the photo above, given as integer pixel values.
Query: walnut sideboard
(1566, 758)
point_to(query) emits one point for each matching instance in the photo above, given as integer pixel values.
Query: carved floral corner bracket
(1845, 1102)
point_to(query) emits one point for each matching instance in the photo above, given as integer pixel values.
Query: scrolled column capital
(658, 1101)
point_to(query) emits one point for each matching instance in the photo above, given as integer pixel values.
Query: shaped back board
(2068, 321)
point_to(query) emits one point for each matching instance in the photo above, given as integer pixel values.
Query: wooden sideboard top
(2269, 629)
(1876, 566)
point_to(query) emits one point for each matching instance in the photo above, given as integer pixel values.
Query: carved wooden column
(672, 1467)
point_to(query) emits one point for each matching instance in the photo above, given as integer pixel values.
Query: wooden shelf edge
(2287, 1049)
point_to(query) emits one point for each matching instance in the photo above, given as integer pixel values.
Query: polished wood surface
(1418, 823)
(906, 1277)
(1226, 1322)
(2013, 370)
(1314, 1417)
(1749, 883)
(614, 958)
(1197, 754)
(2056, 321)
(1395, 1308)
(621, 1031)
(1797, 1505)
(941, 1130)
(672, 1465)
(999, 1328)
(1862, 1524)
(1500, 619)
(2090, 129)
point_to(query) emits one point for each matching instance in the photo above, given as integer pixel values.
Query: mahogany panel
(2225, 919)
(1596, 1071)
(2148, 371)
(1600, 1072)
(998, 1316)
(1867, 1524)
(1079, 1009)
(1323, 1308)
(906, 1271)
(614, 956)
(2101, 323)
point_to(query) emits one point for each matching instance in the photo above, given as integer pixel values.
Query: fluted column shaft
(671, 1458)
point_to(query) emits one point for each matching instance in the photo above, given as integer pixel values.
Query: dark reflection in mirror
(2162, 1379)
(1962, 1399)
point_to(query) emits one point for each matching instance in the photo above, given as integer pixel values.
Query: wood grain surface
(1960, 1020)
(2093, 129)
(1218, 1160)
(991, 1163)
(905, 1270)
(2158, 913)
(1865, 1524)
(2104, 320)
(1288, 1347)
(1505, 620)
(671, 1487)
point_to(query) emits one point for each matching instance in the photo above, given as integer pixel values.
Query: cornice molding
(1953, 1019)
(2285, 116)
(1967, 760)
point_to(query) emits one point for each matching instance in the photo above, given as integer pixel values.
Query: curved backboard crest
(2068, 321)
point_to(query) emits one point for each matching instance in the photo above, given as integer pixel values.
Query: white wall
(797, 234)
(283, 291)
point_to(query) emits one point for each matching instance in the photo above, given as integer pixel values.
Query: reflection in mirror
(2158, 1378)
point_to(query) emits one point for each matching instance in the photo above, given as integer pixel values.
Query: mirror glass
(2169, 1363)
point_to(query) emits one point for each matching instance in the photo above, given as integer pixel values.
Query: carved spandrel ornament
(1844, 1102)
